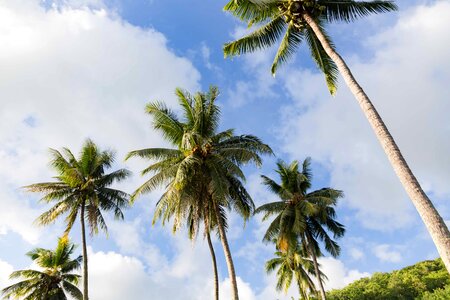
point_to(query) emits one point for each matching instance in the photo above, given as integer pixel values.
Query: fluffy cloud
(5, 270)
(338, 275)
(406, 77)
(385, 253)
(71, 73)
(116, 276)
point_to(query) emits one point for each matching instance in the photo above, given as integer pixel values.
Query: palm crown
(82, 183)
(206, 164)
(285, 20)
(295, 265)
(301, 212)
(54, 281)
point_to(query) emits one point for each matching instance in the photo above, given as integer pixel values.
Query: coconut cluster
(293, 10)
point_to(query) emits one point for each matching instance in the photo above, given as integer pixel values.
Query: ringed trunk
(227, 252)
(433, 221)
(85, 258)
(214, 263)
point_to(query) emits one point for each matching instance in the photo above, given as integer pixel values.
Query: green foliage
(55, 281)
(437, 294)
(424, 280)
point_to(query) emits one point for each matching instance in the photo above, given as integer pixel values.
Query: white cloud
(5, 270)
(72, 73)
(338, 275)
(356, 254)
(244, 289)
(114, 276)
(406, 79)
(385, 253)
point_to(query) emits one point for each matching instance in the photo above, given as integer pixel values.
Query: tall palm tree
(302, 20)
(293, 264)
(203, 171)
(302, 216)
(82, 189)
(54, 282)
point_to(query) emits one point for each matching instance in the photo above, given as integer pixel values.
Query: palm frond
(323, 61)
(350, 10)
(261, 38)
(289, 44)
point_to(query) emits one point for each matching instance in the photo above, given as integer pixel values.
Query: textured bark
(430, 216)
(214, 262)
(85, 258)
(316, 268)
(227, 252)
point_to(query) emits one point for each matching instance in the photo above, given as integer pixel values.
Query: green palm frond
(165, 121)
(323, 61)
(251, 11)
(350, 10)
(291, 40)
(261, 38)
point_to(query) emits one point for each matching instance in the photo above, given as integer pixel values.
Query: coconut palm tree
(302, 217)
(82, 189)
(55, 279)
(300, 20)
(202, 174)
(293, 264)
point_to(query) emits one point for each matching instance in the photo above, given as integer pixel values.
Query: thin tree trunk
(316, 267)
(85, 258)
(430, 216)
(227, 252)
(214, 262)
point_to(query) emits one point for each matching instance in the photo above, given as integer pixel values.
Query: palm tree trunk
(227, 252)
(85, 258)
(316, 267)
(213, 257)
(430, 216)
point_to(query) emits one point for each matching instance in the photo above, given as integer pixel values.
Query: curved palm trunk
(213, 257)
(85, 258)
(430, 216)
(316, 267)
(227, 252)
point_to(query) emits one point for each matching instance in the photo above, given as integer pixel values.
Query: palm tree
(293, 264)
(301, 215)
(302, 20)
(55, 279)
(82, 189)
(203, 174)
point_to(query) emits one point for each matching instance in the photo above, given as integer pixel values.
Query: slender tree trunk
(316, 267)
(214, 263)
(227, 252)
(430, 216)
(85, 258)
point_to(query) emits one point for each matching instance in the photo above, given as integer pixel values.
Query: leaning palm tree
(82, 189)
(302, 217)
(300, 20)
(55, 279)
(293, 264)
(202, 174)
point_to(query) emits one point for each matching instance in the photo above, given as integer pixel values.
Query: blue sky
(86, 68)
